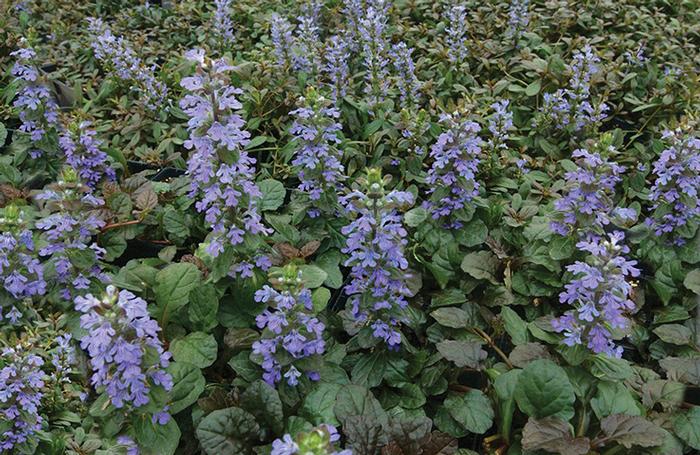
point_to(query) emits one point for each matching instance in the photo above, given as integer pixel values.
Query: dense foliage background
(316, 227)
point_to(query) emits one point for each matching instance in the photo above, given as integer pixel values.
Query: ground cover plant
(407, 227)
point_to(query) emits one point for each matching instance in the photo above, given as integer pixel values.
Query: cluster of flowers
(318, 159)
(126, 356)
(406, 79)
(68, 229)
(600, 294)
(456, 31)
(221, 170)
(116, 52)
(375, 241)
(636, 58)
(319, 441)
(518, 18)
(589, 199)
(372, 29)
(452, 176)
(296, 50)
(572, 107)
(675, 190)
(21, 385)
(290, 326)
(499, 124)
(21, 272)
(337, 54)
(223, 27)
(83, 154)
(37, 108)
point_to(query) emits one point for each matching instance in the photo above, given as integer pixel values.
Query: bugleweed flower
(221, 170)
(375, 47)
(375, 241)
(281, 34)
(599, 293)
(588, 201)
(636, 58)
(317, 158)
(456, 31)
(319, 441)
(21, 273)
(37, 108)
(307, 46)
(572, 107)
(675, 190)
(223, 27)
(518, 18)
(68, 229)
(336, 66)
(21, 384)
(406, 79)
(126, 356)
(83, 154)
(352, 11)
(452, 176)
(500, 123)
(292, 335)
(116, 52)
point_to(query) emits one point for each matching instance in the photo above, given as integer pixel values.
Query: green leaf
(515, 326)
(273, 194)
(544, 390)
(682, 369)
(330, 263)
(320, 298)
(173, 286)
(312, 275)
(692, 281)
(415, 217)
(561, 248)
(196, 348)
(553, 435)
(229, 431)
(453, 317)
(481, 265)
(263, 401)
(156, 439)
(318, 404)
(176, 224)
(369, 369)
(674, 334)
(462, 353)
(355, 400)
(631, 431)
(188, 384)
(3, 134)
(613, 398)
(687, 427)
(203, 307)
(610, 368)
(534, 88)
(473, 234)
(471, 410)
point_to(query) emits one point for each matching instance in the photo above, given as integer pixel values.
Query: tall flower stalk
(336, 66)
(452, 176)
(221, 170)
(37, 108)
(21, 273)
(375, 242)
(222, 24)
(375, 53)
(406, 79)
(126, 356)
(292, 338)
(318, 157)
(456, 31)
(674, 193)
(600, 294)
(518, 18)
(82, 152)
(120, 57)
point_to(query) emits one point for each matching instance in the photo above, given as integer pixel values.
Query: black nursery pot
(692, 395)
(160, 174)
